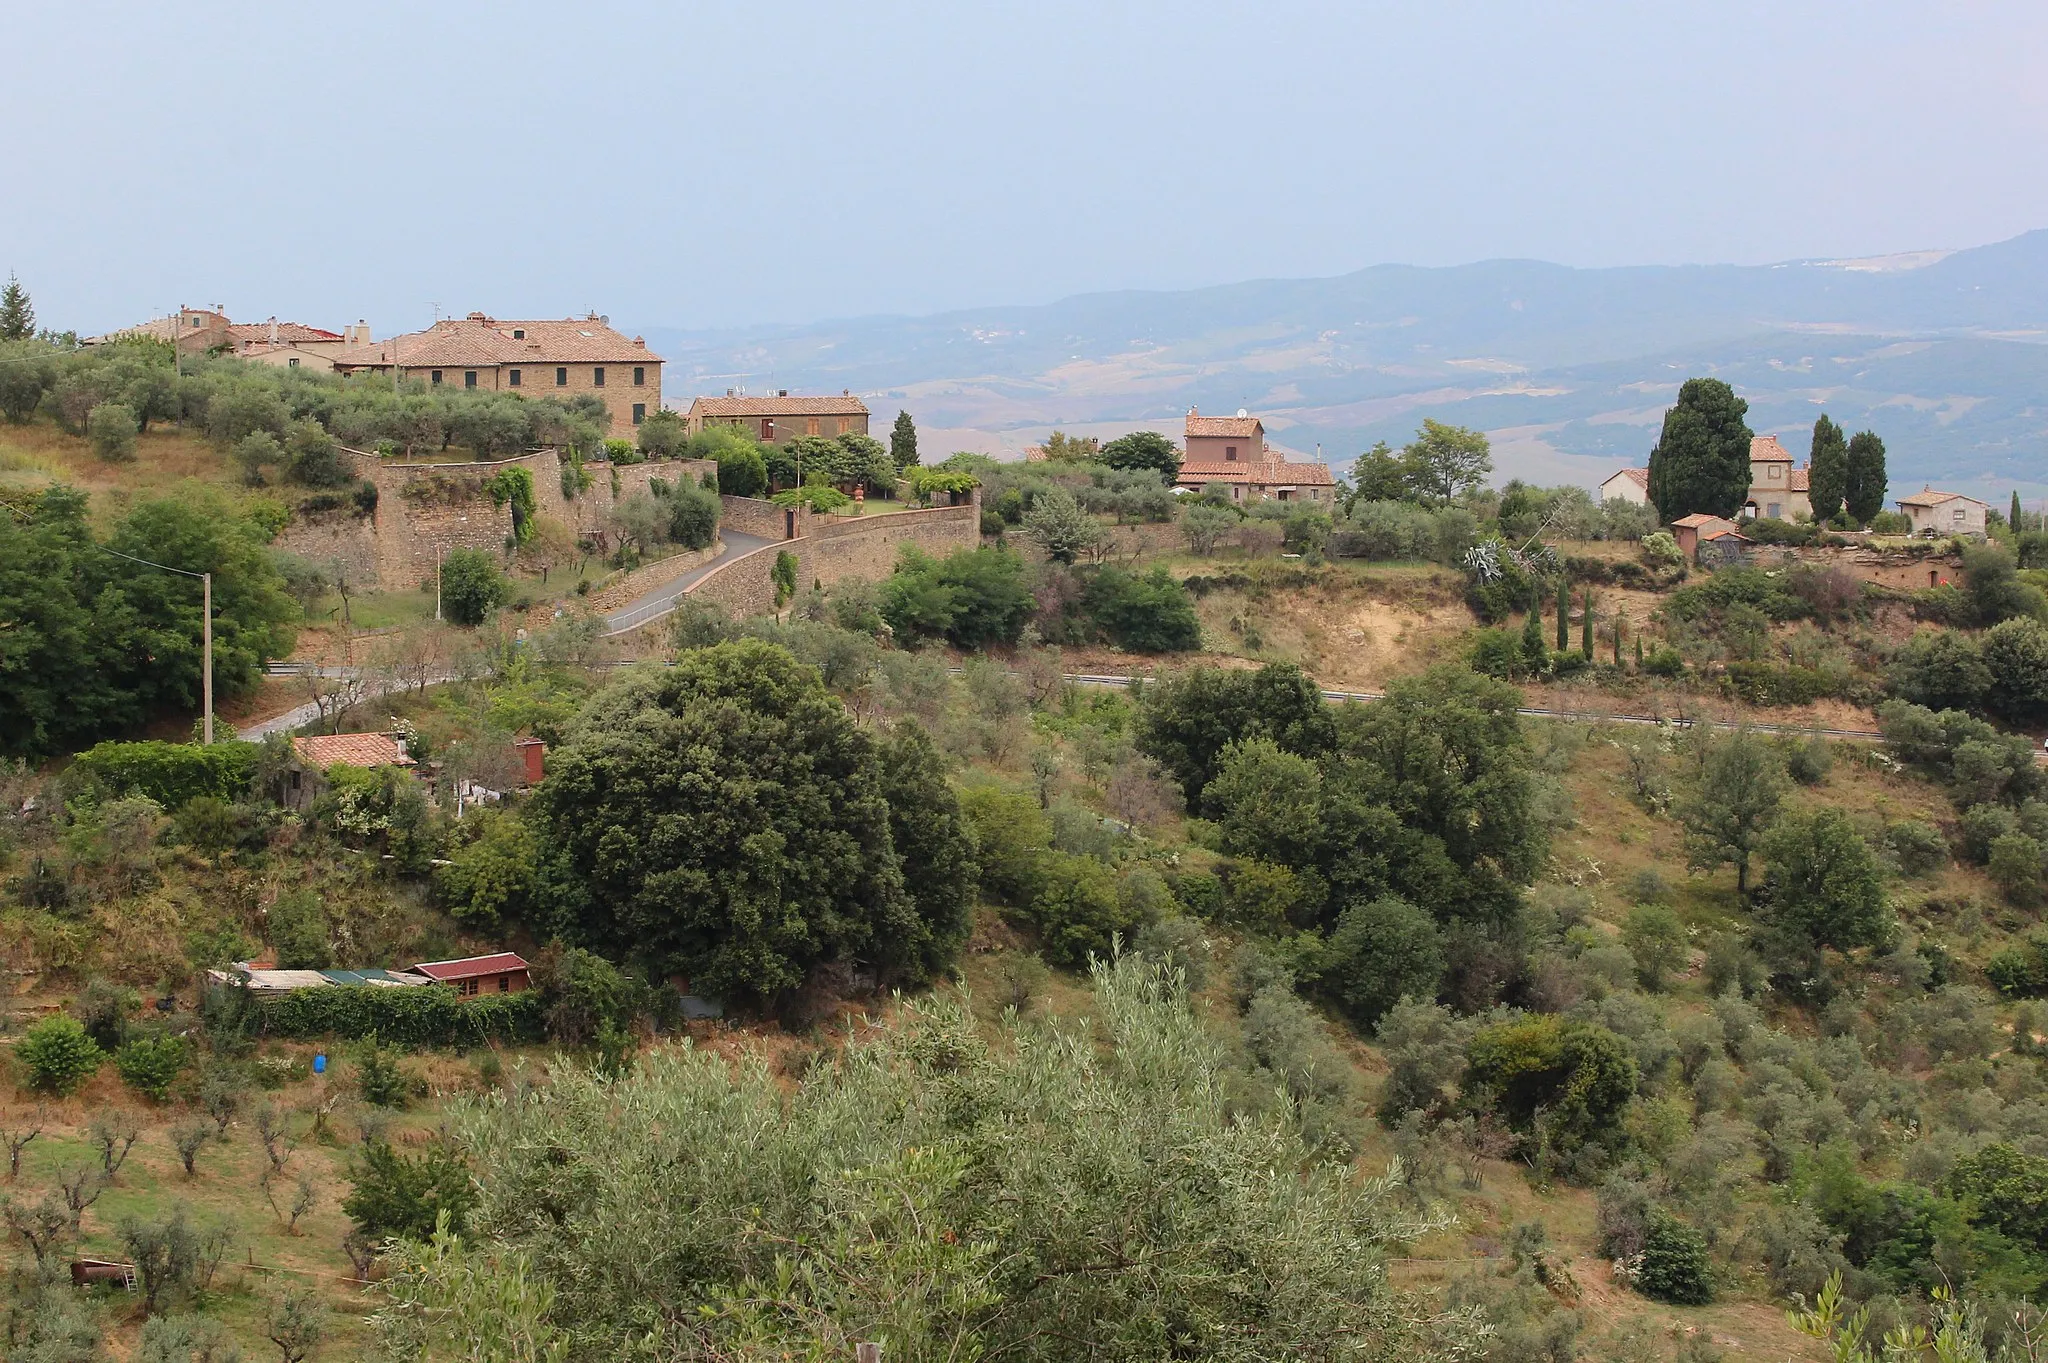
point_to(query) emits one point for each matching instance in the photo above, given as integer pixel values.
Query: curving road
(661, 600)
(651, 606)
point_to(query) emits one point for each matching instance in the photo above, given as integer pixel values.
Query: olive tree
(1047, 1194)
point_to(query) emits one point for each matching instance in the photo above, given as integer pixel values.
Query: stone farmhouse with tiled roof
(1933, 512)
(1777, 489)
(779, 416)
(1232, 450)
(545, 358)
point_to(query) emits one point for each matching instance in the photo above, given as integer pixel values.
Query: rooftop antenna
(437, 312)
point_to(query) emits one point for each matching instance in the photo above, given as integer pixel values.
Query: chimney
(640, 341)
(273, 330)
(783, 394)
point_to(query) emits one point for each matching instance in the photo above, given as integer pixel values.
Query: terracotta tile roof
(1640, 477)
(1244, 426)
(1723, 531)
(480, 342)
(286, 331)
(1930, 497)
(1801, 480)
(469, 967)
(1700, 518)
(1258, 472)
(1766, 447)
(793, 405)
(352, 750)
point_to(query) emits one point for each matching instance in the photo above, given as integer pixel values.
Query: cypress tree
(903, 441)
(1701, 462)
(2013, 519)
(1864, 494)
(1827, 470)
(1532, 639)
(1586, 627)
(1617, 641)
(1639, 651)
(1564, 615)
(17, 314)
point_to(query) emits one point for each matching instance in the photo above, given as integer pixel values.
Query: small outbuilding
(1941, 514)
(503, 972)
(1709, 539)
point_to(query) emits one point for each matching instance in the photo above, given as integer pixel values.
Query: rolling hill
(1943, 353)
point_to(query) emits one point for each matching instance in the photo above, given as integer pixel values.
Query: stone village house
(1777, 489)
(778, 416)
(1233, 451)
(564, 358)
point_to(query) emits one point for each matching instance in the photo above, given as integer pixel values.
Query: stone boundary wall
(648, 576)
(745, 586)
(868, 546)
(837, 548)
(757, 516)
(335, 539)
(425, 510)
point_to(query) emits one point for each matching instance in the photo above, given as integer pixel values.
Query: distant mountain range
(1944, 354)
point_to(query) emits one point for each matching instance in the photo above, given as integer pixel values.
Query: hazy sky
(708, 165)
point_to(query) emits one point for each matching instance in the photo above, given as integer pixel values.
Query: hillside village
(688, 873)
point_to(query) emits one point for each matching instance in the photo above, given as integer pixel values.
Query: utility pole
(205, 627)
(206, 649)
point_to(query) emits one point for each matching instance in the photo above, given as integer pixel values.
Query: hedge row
(418, 1015)
(172, 773)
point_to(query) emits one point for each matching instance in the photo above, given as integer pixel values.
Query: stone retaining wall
(627, 587)
(745, 586)
(836, 548)
(425, 510)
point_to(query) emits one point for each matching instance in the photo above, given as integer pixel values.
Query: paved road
(662, 599)
(651, 606)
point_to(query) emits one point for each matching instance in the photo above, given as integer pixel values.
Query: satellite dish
(1242, 412)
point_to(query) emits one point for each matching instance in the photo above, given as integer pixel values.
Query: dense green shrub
(693, 517)
(1674, 1266)
(1075, 906)
(400, 1195)
(2019, 970)
(1148, 613)
(1379, 954)
(150, 1065)
(57, 1056)
(171, 773)
(1770, 683)
(471, 586)
(1579, 1076)
(424, 1015)
(972, 598)
(1915, 846)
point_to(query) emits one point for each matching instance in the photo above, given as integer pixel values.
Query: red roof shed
(502, 972)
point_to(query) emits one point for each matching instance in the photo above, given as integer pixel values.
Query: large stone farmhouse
(560, 358)
(1232, 450)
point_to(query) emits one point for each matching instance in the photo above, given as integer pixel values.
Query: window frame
(639, 376)
(469, 378)
(512, 378)
(436, 377)
(597, 376)
(561, 376)
(639, 413)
